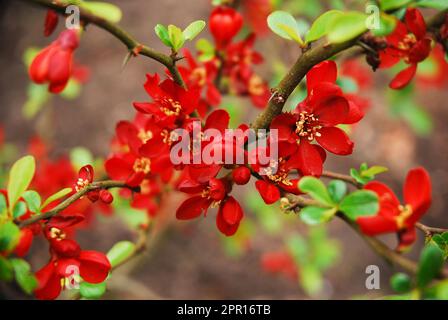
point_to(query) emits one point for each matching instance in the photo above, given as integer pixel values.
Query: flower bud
(241, 175)
(224, 23)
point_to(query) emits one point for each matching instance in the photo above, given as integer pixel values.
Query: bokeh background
(191, 260)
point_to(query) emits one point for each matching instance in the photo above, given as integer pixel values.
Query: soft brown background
(190, 263)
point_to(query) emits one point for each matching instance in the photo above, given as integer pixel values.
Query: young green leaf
(92, 290)
(316, 215)
(24, 276)
(387, 25)
(9, 236)
(359, 203)
(3, 205)
(316, 189)
(431, 262)
(20, 177)
(58, 195)
(337, 190)
(80, 156)
(19, 209)
(373, 171)
(285, 25)
(347, 26)
(162, 32)
(120, 252)
(33, 200)
(434, 4)
(104, 10)
(6, 270)
(193, 29)
(176, 37)
(387, 5)
(320, 26)
(400, 283)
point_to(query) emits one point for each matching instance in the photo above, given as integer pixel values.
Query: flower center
(307, 126)
(142, 165)
(81, 184)
(405, 213)
(206, 194)
(170, 107)
(168, 137)
(199, 75)
(57, 234)
(255, 85)
(145, 136)
(280, 175)
(408, 42)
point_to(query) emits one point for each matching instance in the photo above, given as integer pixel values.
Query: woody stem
(128, 40)
(70, 200)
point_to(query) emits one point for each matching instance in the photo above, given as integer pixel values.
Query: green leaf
(311, 279)
(37, 96)
(3, 206)
(92, 290)
(360, 203)
(120, 252)
(162, 32)
(320, 26)
(24, 276)
(400, 283)
(80, 157)
(386, 27)
(420, 120)
(431, 262)
(6, 270)
(285, 25)
(19, 209)
(20, 177)
(373, 171)
(298, 248)
(58, 195)
(387, 5)
(33, 200)
(435, 4)
(72, 90)
(204, 46)
(337, 190)
(347, 26)
(316, 189)
(193, 29)
(316, 215)
(176, 37)
(104, 10)
(9, 236)
(348, 85)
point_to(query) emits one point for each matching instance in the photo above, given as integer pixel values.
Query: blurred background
(191, 260)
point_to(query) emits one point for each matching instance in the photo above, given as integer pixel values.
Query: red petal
(325, 71)
(406, 238)
(26, 239)
(147, 107)
(311, 159)
(51, 22)
(387, 198)
(39, 67)
(372, 226)
(268, 191)
(86, 173)
(420, 51)
(67, 248)
(403, 78)
(231, 211)
(49, 283)
(332, 111)
(355, 113)
(65, 220)
(389, 57)
(323, 91)
(417, 193)
(118, 169)
(335, 140)
(415, 22)
(192, 208)
(285, 123)
(152, 86)
(60, 70)
(218, 119)
(94, 267)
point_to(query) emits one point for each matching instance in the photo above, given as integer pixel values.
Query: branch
(304, 63)
(343, 177)
(70, 200)
(429, 231)
(133, 45)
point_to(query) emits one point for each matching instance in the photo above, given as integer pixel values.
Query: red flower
(241, 175)
(409, 42)
(85, 178)
(25, 241)
(201, 76)
(171, 102)
(53, 65)
(51, 22)
(316, 119)
(256, 13)
(281, 263)
(229, 216)
(394, 217)
(66, 256)
(224, 22)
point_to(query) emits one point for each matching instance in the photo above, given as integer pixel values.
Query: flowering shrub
(181, 142)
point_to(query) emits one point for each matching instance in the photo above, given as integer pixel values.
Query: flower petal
(268, 191)
(415, 22)
(332, 111)
(403, 78)
(417, 193)
(335, 140)
(192, 208)
(94, 266)
(325, 71)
